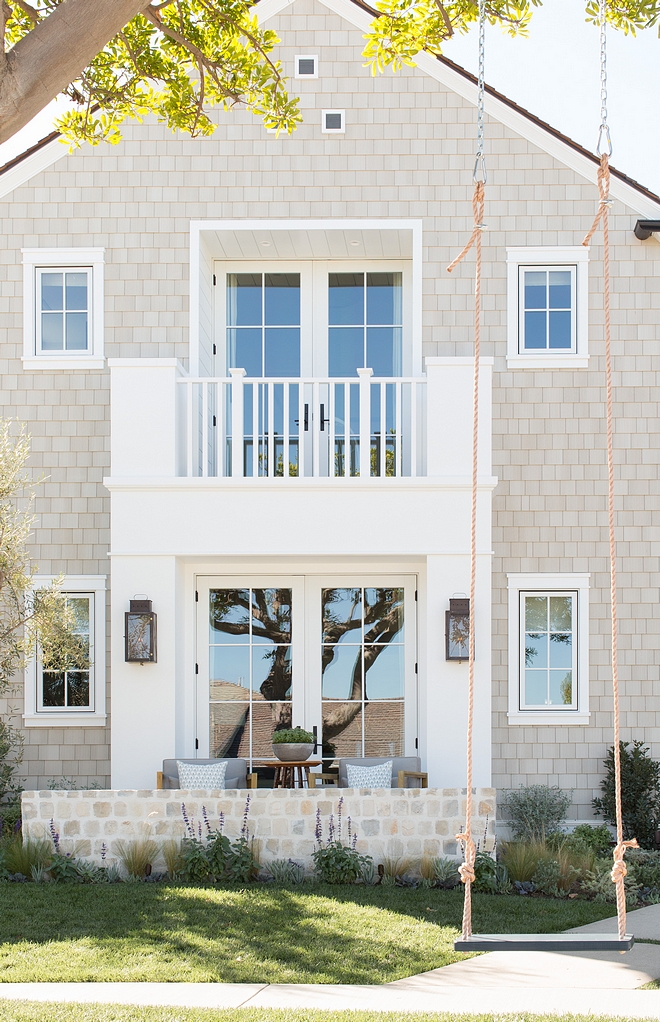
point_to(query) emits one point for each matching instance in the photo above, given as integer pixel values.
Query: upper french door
(334, 654)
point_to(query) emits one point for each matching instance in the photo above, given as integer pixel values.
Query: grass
(259, 934)
(30, 1011)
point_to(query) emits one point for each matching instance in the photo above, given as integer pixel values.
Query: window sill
(39, 363)
(65, 719)
(547, 361)
(553, 718)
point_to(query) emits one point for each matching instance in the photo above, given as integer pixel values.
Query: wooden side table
(294, 774)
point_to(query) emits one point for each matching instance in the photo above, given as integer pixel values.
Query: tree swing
(528, 941)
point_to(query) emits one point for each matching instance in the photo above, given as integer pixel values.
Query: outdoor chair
(404, 768)
(236, 776)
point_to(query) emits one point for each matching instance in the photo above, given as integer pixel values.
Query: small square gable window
(307, 66)
(333, 121)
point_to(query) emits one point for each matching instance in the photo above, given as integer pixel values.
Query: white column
(449, 416)
(144, 420)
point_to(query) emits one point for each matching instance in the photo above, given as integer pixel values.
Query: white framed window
(63, 308)
(333, 122)
(548, 649)
(72, 698)
(307, 65)
(547, 317)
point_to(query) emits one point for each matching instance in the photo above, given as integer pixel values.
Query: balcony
(300, 431)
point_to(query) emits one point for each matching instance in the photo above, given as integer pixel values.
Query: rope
(619, 870)
(466, 871)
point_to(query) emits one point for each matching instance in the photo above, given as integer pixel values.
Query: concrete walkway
(591, 983)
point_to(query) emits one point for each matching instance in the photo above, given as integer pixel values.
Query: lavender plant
(334, 861)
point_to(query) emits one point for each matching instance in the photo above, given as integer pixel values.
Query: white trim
(333, 131)
(306, 56)
(35, 259)
(32, 165)
(565, 255)
(577, 582)
(95, 716)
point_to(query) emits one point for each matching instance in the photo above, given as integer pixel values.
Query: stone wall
(401, 822)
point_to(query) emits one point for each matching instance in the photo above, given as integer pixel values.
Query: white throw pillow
(379, 776)
(201, 775)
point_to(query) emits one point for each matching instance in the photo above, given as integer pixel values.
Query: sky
(554, 74)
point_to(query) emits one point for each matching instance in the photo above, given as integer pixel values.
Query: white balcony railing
(330, 428)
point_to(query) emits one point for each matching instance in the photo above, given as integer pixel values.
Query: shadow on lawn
(255, 934)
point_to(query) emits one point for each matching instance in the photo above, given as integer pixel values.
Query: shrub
(296, 735)
(286, 871)
(396, 866)
(597, 884)
(640, 790)
(20, 854)
(537, 811)
(646, 866)
(523, 858)
(171, 852)
(491, 877)
(335, 862)
(546, 877)
(588, 837)
(208, 854)
(445, 872)
(137, 856)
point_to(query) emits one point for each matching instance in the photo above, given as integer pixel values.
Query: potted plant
(293, 744)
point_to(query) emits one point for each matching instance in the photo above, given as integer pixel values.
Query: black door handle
(323, 419)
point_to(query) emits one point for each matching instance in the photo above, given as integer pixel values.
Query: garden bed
(260, 933)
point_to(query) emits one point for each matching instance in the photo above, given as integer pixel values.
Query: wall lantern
(457, 630)
(140, 633)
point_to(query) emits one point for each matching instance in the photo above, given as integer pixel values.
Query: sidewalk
(597, 983)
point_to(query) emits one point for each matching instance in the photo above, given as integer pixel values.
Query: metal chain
(604, 138)
(479, 173)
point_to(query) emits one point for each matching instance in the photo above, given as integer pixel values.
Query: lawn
(255, 934)
(21, 1011)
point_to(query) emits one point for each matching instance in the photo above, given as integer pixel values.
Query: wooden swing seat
(544, 942)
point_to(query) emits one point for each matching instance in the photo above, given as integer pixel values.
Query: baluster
(286, 387)
(314, 425)
(413, 428)
(237, 438)
(365, 422)
(204, 455)
(398, 421)
(383, 429)
(190, 423)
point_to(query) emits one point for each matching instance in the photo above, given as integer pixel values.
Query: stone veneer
(409, 822)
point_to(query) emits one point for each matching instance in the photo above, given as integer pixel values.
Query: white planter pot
(291, 751)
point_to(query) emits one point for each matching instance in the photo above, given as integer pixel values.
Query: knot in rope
(466, 869)
(619, 869)
(604, 193)
(478, 213)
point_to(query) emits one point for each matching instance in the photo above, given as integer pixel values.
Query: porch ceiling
(309, 243)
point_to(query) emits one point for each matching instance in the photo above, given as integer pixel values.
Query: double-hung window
(63, 308)
(547, 303)
(71, 689)
(548, 649)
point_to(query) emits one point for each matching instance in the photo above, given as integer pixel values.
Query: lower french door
(333, 654)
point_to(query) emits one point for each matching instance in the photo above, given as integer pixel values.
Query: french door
(333, 654)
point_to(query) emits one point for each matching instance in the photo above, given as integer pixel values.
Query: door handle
(305, 419)
(323, 419)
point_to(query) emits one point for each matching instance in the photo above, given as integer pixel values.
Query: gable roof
(48, 150)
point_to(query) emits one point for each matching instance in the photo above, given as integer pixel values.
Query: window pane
(535, 289)
(342, 729)
(267, 718)
(77, 688)
(229, 672)
(342, 672)
(383, 615)
(535, 688)
(229, 615)
(282, 299)
(561, 650)
(560, 289)
(76, 331)
(561, 613)
(228, 733)
(383, 729)
(76, 290)
(283, 352)
(53, 688)
(342, 614)
(51, 331)
(536, 613)
(384, 672)
(271, 672)
(271, 615)
(384, 301)
(560, 330)
(536, 649)
(79, 606)
(535, 326)
(51, 291)
(244, 351)
(345, 351)
(346, 299)
(561, 688)
(384, 350)
(243, 299)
